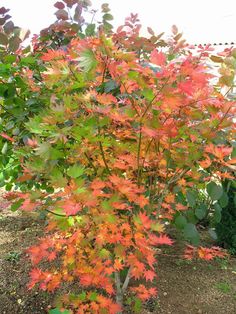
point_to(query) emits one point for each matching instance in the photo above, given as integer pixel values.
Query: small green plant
(223, 263)
(223, 287)
(13, 256)
(181, 262)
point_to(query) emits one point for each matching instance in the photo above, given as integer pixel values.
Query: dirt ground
(184, 287)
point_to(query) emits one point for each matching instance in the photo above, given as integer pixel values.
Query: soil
(184, 287)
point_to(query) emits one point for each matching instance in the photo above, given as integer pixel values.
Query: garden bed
(184, 286)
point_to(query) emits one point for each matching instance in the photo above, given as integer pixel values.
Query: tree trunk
(119, 292)
(120, 289)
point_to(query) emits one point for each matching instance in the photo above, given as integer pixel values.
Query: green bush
(226, 228)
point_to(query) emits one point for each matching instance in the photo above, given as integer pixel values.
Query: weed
(223, 287)
(13, 256)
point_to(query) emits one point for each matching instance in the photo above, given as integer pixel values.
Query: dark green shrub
(226, 228)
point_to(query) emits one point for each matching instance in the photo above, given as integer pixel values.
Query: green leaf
(214, 190)
(43, 150)
(137, 305)
(108, 17)
(71, 221)
(87, 60)
(14, 43)
(180, 221)
(82, 296)
(104, 253)
(58, 311)
(148, 94)
(28, 60)
(16, 205)
(224, 200)
(75, 171)
(4, 148)
(217, 213)
(212, 233)
(191, 198)
(90, 30)
(57, 178)
(109, 86)
(93, 296)
(201, 211)
(9, 27)
(33, 125)
(191, 233)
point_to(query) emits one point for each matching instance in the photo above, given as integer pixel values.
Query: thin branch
(131, 99)
(153, 99)
(51, 212)
(139, 152)
(59, 215)
(222, 119)
(103, 157)
(126, 282)
(91, 163)
(102, 152)
(174, 179)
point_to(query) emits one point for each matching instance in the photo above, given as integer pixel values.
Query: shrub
(226, 228)
(127, 130)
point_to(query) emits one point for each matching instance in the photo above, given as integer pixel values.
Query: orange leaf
(106, 99)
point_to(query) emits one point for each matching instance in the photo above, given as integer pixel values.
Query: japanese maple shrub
(127, 128)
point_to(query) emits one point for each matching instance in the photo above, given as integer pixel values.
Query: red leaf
(143, 293)
(70, 3)
(174, 30)
(186, 87)
(150, 30)
(32, 142)
(3, 10)
(7, 137)
(36, 276)
(59, 5)
(149, 132)
(146, 222)
(158, 58)
(52, 55)
(149, 275)
(162, 239)
(62, 15)
(71, 208)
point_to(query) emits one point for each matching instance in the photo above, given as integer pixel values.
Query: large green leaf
(224, 200)
(191, 233)
(87, 60)
(75, 171)
(90, 30)
(214, 190)
(180, 222)
(217, 213)
(191, 198)
(201, 211)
